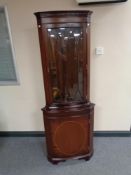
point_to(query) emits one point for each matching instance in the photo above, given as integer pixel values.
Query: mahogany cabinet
(64, 38)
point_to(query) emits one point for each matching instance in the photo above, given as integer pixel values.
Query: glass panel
(65, 53)
(7, 67)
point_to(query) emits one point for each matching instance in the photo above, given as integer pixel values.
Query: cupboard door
(69, 137)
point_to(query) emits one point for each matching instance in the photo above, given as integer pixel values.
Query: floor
(27, 156)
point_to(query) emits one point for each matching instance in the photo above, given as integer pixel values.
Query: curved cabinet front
(69, 134)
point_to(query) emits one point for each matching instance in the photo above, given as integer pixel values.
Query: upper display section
(65, 52)
(64, 42)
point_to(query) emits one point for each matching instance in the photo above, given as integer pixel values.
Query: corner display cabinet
(65, 52)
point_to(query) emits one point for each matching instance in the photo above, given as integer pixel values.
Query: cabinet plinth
(65, 53)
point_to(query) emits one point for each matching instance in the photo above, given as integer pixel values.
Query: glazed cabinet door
(66, 54)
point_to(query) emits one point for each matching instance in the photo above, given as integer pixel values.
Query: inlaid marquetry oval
(70, 137)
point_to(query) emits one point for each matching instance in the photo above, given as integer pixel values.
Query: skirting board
(42, 134)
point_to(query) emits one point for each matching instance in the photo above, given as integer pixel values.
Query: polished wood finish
(65, 53)
(69, 132)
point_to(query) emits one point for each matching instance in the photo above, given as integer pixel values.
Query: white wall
(110, 74)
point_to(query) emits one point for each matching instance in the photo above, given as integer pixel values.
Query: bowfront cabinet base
(69, 132)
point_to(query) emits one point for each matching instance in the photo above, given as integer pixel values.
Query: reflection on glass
(65, 53)
(49, 30)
